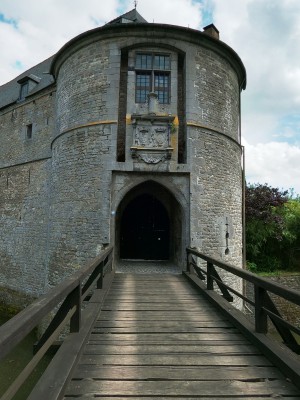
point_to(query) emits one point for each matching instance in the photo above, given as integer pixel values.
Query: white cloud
(274, 163)
(265, 34)
(175, 12)
(43, 29)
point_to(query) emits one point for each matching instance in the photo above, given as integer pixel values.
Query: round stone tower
(146, 154)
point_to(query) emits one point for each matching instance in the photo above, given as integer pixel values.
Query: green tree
(290, 245)
(264, 226)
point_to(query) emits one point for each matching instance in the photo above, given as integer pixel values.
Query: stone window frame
(152, 76)
(29, 131)
(27, 84)
(24, 90)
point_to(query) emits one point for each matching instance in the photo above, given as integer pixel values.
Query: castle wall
(80, 199)
(87, 86)
(212, 92)
(81, 178)
(25, 170)
(61, 186)
(214, 154)
(24, 210)
(16, 147)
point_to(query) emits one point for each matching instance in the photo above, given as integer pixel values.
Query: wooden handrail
(263, 305)
(288, 294)
(71, 292)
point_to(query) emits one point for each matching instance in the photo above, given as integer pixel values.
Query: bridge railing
(65, 301)
(262, 304)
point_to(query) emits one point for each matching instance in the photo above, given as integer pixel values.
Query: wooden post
(100, 280)
(210, 281)
(75, 321)
(190, 268)
(261, 323)
(188, 261)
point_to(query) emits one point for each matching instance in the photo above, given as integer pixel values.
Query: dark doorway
(145, 229)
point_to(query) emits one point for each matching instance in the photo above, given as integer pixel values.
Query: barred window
(152, 75)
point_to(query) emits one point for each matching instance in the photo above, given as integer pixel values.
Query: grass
(279, 273)
(14, 363)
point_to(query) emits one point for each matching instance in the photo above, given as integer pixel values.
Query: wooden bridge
(159, 336)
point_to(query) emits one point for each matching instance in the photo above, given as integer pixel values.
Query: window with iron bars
(152, 75)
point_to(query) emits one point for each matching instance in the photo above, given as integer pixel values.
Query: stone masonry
(81, 146)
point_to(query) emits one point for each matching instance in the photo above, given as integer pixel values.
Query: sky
(264, 33)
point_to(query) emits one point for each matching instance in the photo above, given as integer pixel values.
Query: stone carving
(151, 157)
(153, 137)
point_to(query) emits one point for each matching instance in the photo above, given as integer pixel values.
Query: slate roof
(9, 92)
(130, 17)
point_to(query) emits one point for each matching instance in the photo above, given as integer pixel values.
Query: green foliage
(290, 246)
(292, 219)
(264, 225)
(251, 266)
(272, 229)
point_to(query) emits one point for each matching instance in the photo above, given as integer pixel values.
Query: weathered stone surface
(63, 191)
(24, 208)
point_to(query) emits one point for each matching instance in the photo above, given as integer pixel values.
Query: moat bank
(15, 361)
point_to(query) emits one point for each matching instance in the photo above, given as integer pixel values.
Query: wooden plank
(157, 302)
(92, 397)
(175, 359)
(148, 345)
(132, 276)
(165, 337)
(198, 373)
(181, 388)
(157, 342)
(280, 356)
(170, 315)
(159, 329)
(161, 292)
(56, 376)
(172, 285)
(162, 324)
(131, 291)
(190, 313)
(143, 293)
(153, 307)
(170, 349)
(152, 297)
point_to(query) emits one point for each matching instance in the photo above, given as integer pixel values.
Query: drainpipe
(244, 206)
(244, 221)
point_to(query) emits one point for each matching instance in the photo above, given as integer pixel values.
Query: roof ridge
(131, 16)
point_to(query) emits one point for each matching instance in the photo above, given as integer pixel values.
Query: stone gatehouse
(129, 135)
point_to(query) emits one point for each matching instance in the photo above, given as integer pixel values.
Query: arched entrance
(145, 229)
(149, 224)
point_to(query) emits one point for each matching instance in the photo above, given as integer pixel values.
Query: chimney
(211, 30)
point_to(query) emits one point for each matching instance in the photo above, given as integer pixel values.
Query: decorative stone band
(87, 125)
(210, 128)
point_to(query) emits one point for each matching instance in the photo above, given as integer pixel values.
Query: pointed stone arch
(150, 204)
